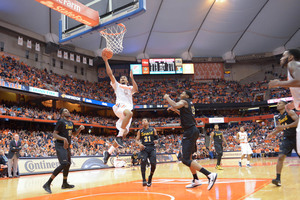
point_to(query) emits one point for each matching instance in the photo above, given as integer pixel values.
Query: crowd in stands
(151, 91)
(41, 112)
(41, 144)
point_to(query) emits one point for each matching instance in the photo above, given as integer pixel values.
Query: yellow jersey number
(193, 109)
(147, 139)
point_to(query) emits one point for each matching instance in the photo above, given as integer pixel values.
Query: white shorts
(246, 149)
(119, 110)
(119, 163)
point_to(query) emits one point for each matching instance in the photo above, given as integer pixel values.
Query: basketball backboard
(110, 11)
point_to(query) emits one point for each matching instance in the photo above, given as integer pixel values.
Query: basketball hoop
(114, 37)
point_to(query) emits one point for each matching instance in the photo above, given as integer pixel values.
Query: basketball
(107, 53)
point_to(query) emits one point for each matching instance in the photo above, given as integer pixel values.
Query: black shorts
(219, 148)
(148, 152)
(189, 139)
(287, 145)
(63, 155)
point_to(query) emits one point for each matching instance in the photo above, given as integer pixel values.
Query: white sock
(121, 132)
(248, 162)
(111, 150)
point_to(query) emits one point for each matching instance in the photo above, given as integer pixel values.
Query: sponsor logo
(87, 100)
(31, 166)
(66, 96)
(74, 10)
(42, 91)
(41, 165)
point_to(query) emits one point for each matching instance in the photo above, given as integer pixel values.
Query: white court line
(92, 195)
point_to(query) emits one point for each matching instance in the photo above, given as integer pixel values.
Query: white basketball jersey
(295, 93)
(123, 93)
(243, 137)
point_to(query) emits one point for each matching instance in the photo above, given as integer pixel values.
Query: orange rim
(105, 33)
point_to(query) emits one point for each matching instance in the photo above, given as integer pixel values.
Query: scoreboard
(162, 66)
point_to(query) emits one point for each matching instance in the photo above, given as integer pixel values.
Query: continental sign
(74, 10)
(48, 164)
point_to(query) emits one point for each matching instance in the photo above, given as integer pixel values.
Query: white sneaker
(194, 183)
(212, 179)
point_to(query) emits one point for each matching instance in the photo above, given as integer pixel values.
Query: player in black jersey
(146, 140)
(63, 131)
(186, 110)
(218, 138)
(288, 123)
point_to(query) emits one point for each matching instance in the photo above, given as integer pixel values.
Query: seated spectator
(3, 164)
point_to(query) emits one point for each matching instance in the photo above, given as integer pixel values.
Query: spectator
(3, 164)
(13, 156)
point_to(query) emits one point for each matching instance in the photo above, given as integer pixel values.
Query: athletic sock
(278, 177)
(219, 160)
(49, 181)
(150, 178)
(204, 171)
(65, 181)
(111, 150)
(195, 176)
(248, 162)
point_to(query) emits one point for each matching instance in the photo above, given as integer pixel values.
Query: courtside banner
(13, 85)
(66, 96)
(47, 165)
(29, 166)
(74, 10)
(43, 91)
(101, 103)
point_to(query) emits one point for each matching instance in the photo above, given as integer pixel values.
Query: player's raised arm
(174, 109)
(294, 69)
(135, 87)
(108, 69)
(174, 104)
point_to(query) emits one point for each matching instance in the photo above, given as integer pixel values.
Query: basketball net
(114, 37)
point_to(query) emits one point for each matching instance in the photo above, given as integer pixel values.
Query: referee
(62, 133)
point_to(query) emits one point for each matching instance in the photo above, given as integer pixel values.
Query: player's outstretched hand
(105, 59)
(81, 127)
(290, 106)
(142, 147)
(170, 108)
(131, 74)
(269, 136)
(274, 83)
(279, 128)
(166, 96)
